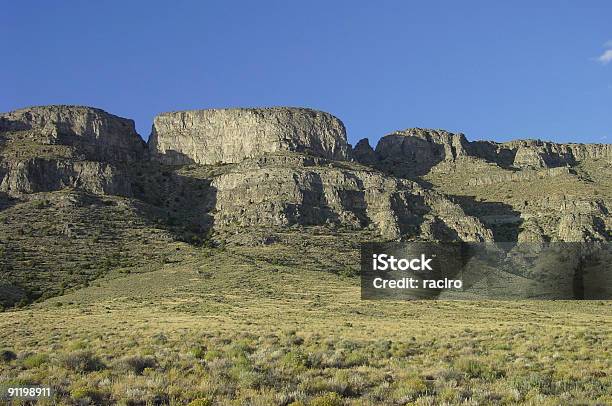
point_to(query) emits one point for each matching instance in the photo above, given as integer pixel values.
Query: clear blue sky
(491, 69)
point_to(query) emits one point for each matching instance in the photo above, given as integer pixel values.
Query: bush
(410, 389)
(212, 355)
(201, 402)
(136, 364)
(295, 360)
(83, 361)
(471, 367)
(87, 395)
(199, 352)
(7, 356)
(329, 399)
(35, 360)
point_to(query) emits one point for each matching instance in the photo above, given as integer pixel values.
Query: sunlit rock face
(231, 135)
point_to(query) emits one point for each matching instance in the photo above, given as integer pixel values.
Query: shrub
(199, 352)
(7, 356)
(212, 355)
(83, 361)
(328, 399)
(296, 360)
(355, 359)
(87, 395)
(136, 364)
(35, 360)
(410, 389)
(471, 367)
(201, 402)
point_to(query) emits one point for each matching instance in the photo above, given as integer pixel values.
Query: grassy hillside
(249, 326)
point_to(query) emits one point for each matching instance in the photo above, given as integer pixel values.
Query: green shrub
(136, 364)
(355, 359)
(410, 389)
(212, 355)
(35, 360)
(328, 399)
(87, 395)
(201, 402)
(199, 352)
(83, 361)
(295, 359)
(471, 367)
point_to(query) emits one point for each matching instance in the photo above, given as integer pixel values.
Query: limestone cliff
(231, 135)
(53, 147)
(285, 190)
(93, 133)
(416, 150)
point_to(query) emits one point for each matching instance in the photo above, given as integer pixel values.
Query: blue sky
(493, 70)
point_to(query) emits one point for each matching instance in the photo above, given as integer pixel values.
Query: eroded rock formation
(231, 135)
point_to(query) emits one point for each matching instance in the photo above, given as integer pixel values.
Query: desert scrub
(7, 356)
(474, 368)
(328, 399)
(82, 362)
(135, 364)
(88, 395)
(201, 402)
(35, 360)
(295, 360)
(409, 389)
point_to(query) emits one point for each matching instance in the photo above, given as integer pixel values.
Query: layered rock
(44, 175)
(413, 152)
(93, 133)
(53, 147)
(231, 135)
(291, 190)
(416, 150)
(518, 176)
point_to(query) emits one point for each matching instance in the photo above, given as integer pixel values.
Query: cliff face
(277, 167)
(92, 133)
(286, 190)
(417, 150)
(231, 135)
(82, 194)
(53, 147)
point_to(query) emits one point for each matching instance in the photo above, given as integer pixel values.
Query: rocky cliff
(416, 150)
(81, 194)
(92, 133)
(53, 147)
(231, 135)
(286, 190)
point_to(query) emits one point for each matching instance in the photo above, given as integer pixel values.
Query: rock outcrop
(93, 133)
(284, 167)
(416, 150)
(82, 194)
(286, 190)
(53, 147)
(413, 152)
(484, 180)
(231, 135)
(44, 175)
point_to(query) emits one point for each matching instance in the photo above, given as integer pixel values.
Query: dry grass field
(247, 326)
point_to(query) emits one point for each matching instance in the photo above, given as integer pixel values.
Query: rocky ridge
(218, 136)
(219, 176)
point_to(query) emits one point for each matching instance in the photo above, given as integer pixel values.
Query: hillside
(82, 196)
(219, 261)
